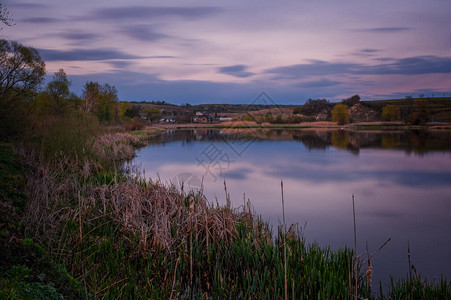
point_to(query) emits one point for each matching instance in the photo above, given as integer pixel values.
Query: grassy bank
(81, 212)
(308, 125)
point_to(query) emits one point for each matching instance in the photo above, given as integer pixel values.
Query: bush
(391, 113)
(340, 114)
(134, 124)
(312, 107)
(421, 112)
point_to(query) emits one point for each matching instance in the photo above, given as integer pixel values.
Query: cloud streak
(403, 66)
(386, 29)
(146, 12)
(143, 33)
(40, 20)
(84, 54)
(78, 36)
(235, 70)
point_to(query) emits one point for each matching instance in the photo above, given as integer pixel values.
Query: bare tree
(4, 16)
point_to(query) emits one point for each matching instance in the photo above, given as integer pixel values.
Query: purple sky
(230, 51)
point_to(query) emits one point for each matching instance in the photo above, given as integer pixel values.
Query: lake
(401, 182)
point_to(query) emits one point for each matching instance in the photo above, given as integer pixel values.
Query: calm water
(401, 182)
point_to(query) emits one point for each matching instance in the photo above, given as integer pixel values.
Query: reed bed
(123, 236)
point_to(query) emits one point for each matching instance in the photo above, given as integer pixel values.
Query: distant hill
(313, 110)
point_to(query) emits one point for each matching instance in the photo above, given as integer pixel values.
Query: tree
(152, 114)
(58, 91)
(269, 118)
(340, 114)
(391, 113)
(101, 100)
(352, 100)
(421, 112)
(21, 70)
(91, 93)
(4, 16)
(21, 73)
(106, 104)
(312, 107)
(132, 112)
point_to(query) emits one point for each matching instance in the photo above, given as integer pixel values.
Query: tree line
(22, 94)
(415, 112)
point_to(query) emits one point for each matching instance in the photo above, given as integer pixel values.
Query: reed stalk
(284, 242)
(355, 250)
(124, 236)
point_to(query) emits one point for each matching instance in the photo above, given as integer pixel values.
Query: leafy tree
(106, 105)
(421, 112)
(249, 117)
(152, 114)
(269, 118)
(123, 106)
(352, 100)
(278, 119)
(21, 73)
(340, 114)
(91, 93)
(21, 70)
(58, 91)
(101, 100)
(312, 107)
(391, 113)
(132, 112)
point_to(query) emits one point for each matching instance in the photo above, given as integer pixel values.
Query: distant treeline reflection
(412, 141)
(418, 142)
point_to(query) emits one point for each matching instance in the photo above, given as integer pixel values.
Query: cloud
(84, 54)
(314, 68)
(28, 5)
(121, 64)
(410, 178)
(40, 20)
(237, 174)
(137, 12)
(78, 36)
(235, 70)
(403, 66)
(143, 33)
(411, 66)
(322, 83)
(386, 29)
(369, 50)
(141, 86)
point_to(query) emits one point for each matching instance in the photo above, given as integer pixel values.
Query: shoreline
(303, 126)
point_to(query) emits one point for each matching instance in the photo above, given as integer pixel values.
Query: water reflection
(398, 195)
(418, 142)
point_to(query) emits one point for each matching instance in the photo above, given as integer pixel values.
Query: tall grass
(123, 236)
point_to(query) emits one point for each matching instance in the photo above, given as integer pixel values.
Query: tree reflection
(418, 142)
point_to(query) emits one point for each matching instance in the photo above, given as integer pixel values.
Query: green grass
(121, 236)
(26, 270)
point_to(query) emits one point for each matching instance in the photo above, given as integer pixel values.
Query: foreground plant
(123, 236)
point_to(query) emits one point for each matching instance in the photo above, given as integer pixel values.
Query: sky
(210, 51)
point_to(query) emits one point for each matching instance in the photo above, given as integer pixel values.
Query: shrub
(340, 114)
(312, 107)
(134, 124)
(391, 113)
(421, 112)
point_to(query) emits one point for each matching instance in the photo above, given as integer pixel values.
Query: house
(204, 119)
(167, 120)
